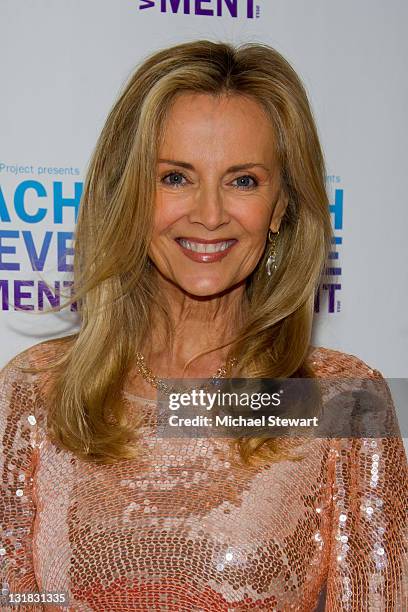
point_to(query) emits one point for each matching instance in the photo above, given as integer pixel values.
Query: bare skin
(209, 202)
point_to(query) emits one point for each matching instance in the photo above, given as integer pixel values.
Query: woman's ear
(278, 212)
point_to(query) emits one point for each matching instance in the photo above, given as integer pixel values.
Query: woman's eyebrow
(235, 168)
(174, 162)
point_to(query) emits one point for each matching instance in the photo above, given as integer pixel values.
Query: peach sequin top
(187, 530)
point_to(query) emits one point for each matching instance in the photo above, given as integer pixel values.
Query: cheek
(168, 209)
(254, 220)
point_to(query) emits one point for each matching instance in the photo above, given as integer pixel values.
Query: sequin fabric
(188, 530)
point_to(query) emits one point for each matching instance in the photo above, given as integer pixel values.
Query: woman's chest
(183, 529)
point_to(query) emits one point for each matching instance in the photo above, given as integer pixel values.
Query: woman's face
(218, 192)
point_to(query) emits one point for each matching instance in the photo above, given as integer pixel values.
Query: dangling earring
(271, 261)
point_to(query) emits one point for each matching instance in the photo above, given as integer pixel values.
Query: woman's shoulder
(25, 381)
(332, 362)
(38, 355)
(31, 367)
(357, 396)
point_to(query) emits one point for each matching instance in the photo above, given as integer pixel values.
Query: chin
(204, 287)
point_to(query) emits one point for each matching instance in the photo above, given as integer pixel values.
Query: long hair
(114, 283)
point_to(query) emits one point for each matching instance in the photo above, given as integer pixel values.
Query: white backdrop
(63, 63)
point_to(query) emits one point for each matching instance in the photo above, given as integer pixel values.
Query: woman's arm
(368, 559)
(18, 430)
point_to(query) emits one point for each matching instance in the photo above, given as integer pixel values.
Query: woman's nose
(209, 208)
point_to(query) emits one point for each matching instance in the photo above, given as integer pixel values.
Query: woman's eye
(178, 175)
(243, 182)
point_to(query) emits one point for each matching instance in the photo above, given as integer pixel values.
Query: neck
(200, 324)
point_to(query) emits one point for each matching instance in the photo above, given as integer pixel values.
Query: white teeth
(199, 247)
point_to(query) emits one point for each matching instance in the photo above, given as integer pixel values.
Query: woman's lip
(206, 257)
(203, 241)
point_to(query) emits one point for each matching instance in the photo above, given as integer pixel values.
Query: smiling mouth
(206, 247)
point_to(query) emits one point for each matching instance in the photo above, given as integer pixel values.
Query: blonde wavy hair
(114, 286)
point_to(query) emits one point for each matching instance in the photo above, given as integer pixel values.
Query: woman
(202, 236)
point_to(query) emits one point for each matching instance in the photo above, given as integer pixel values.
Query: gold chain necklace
(153, 380)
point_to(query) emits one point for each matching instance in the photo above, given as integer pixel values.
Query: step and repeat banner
(63, 65)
